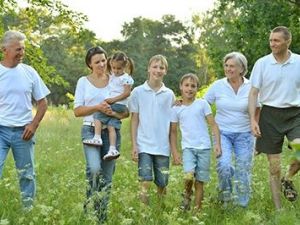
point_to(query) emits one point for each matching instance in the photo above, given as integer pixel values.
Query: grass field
(60, 168)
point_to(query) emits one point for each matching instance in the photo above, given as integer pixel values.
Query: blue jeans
(159, 164)
(235, 180)
(99, 173)
(109, 120)
(23, 153)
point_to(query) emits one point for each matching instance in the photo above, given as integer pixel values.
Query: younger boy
(150, 105)
(192, 116)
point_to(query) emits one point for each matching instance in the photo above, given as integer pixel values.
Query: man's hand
(29, 131)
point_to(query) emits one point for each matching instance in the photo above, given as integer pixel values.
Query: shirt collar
(291, 59)
(148, 88)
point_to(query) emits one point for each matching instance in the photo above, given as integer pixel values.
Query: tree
(243, 25)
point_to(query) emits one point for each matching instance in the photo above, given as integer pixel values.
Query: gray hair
(240, 59)
(10, 36)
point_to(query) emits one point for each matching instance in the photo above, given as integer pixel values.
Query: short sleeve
(127, 80)
(133, 102)
(174, 117)
(210, 95)
(79, 93)
(256, 75)
(40, 90)
(206, 108)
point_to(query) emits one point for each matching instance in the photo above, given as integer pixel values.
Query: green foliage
(240, 25)
(60, 169)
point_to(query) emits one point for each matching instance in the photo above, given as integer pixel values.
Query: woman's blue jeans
(234, 167)
(99, 173)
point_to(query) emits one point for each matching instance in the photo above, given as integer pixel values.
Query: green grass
(60, 169)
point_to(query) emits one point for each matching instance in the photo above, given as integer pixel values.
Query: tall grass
(60, 169)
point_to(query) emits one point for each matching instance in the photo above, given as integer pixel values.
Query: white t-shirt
(193, 126)
(18, 86)
(278, 84)
(232, 108)
(116, 86)
(154, 111)
(86, 94)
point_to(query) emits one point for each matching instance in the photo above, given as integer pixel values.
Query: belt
(92, 124)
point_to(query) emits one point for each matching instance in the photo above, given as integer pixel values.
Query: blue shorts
(111, 121)
(197, 161)
(160, 166)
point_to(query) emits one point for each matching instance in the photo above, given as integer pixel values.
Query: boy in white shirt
(192, 116)
(150, 105)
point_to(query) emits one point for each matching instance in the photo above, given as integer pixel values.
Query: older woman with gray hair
(230, 95)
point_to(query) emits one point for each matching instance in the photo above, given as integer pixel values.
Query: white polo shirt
(154, 112)
(232, 108)
(18, 86)
(278, 84)
(192, 122)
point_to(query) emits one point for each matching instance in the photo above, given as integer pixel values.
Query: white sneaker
(112, 154)
(93, 141)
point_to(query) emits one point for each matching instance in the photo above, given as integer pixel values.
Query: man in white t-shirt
(276, 78)
(19, 84)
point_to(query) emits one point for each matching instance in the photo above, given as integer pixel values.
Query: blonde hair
(160, 58)
(191, 76)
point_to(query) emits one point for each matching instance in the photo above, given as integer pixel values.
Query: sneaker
(186, 203)
(288, 189)
(112, 154)
(93, 141)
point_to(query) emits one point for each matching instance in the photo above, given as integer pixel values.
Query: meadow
(60, 169)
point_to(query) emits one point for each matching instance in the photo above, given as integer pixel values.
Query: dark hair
(93, 51)
(286, 33)
(122, 57)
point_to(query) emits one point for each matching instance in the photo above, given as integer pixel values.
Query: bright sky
(106, 17)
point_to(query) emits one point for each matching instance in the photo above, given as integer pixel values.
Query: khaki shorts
(275, 124)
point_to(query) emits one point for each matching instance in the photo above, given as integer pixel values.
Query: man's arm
(30, 129)
(253, 113)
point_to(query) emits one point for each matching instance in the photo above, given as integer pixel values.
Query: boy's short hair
(160, 58)
(191, 76)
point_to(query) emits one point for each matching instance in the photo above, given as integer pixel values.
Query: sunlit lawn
(60, 169)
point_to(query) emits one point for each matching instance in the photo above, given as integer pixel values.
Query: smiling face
(232, 69)
(98, 63)
(188, 88)
(13, 53)
(157, 70)
(118, 67)
(278, 43)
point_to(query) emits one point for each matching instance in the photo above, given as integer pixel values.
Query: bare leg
(144, 197)
(188, 190)
(295, 165)
(274, 171)
(199, 193)
(98, 127)
(112, 136)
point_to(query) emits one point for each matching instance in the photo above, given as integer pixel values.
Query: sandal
(112, 154)
(93, 141)
(288, 189)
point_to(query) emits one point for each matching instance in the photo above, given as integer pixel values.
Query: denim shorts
(197, 161)
(159, 164)
(111, 121)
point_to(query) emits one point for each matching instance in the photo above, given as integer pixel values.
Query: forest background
(58, 40)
